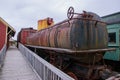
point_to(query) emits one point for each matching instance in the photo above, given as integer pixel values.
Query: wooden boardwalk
(16, 67)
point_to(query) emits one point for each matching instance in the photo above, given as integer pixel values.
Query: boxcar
(24, 33)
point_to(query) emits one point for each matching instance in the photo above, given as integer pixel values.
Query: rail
(2, 55)
(44, 69)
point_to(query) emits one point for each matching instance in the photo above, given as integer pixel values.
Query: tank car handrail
(90, 19)
(2, 55)
(44, 69)
(69, 51)
(67, 20)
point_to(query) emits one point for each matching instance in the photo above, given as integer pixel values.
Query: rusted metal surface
(77, 69)
(85, 56)
(69, 51)
(76, 45)
(72, 75)
(79, 35)
(84, 33)
(24, 33)
(91, 72)
(115, 77)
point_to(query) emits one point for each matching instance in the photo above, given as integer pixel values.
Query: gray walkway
(16, 67)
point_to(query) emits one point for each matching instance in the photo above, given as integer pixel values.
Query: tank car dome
(91, 15)
(95, 16)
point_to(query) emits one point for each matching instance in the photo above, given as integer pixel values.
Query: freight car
(75, 45)
(24, 33)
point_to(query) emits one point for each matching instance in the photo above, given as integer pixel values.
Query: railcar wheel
(72, 75)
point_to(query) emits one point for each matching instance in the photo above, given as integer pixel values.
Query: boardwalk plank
(16, 67)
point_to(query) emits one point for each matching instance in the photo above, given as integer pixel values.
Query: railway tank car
(75, 45)
(81, 33)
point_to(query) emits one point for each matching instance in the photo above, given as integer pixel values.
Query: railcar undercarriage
(74, 66)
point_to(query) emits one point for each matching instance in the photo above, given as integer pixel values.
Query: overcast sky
(25, 13)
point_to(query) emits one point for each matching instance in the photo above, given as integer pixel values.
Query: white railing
(44, 69)
(2, 55)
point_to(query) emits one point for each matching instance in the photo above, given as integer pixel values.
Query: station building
(6, 32)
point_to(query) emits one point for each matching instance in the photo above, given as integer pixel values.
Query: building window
(112, 37)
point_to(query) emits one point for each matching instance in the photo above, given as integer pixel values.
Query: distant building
(6, 32)
(11, 42)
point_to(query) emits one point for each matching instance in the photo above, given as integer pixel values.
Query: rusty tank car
(83, 33)
(75, 45)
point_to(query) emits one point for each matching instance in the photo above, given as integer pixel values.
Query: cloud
(26, 13)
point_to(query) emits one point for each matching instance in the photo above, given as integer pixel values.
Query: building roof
(112, 18)
(113, 14)
(11, 29)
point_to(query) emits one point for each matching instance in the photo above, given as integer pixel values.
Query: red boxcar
(24, 33)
